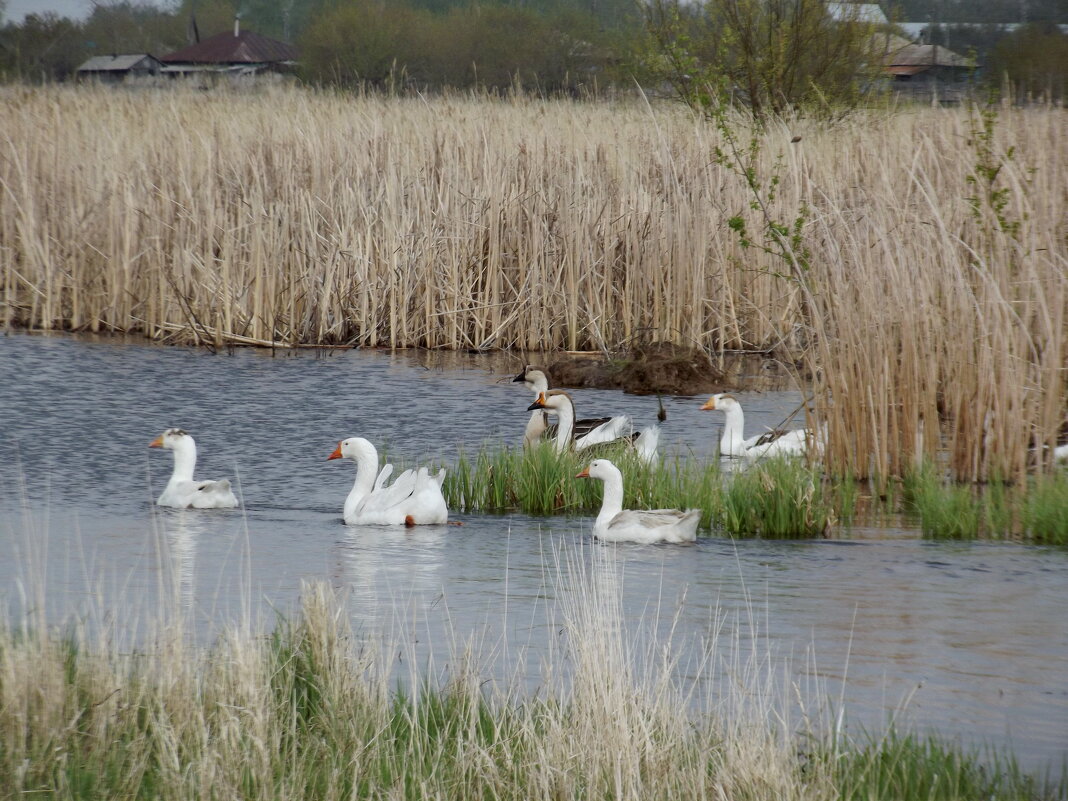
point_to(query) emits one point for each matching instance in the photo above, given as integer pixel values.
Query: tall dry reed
(285, 216)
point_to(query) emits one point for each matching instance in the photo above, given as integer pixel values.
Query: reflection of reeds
(289, 217)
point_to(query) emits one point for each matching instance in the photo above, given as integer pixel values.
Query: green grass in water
(775, 498)
(1036, 511)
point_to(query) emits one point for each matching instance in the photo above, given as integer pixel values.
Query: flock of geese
(415, 496)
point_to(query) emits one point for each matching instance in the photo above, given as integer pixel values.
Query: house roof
(925, 56)
(226, 48)
(119, 63)
(869, 13)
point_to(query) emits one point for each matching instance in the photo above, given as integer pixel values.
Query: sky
(75, 9)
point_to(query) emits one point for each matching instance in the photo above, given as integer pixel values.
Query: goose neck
(185, 459)
(612, 502)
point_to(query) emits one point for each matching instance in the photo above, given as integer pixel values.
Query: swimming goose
(414, 497)
(538, 426)
(615, 429)
(182, 491)
(770, 443)
(613, 524)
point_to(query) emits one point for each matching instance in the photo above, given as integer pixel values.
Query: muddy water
(968, 639)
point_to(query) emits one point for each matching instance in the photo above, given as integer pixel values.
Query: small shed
(237, 53)
(118, 68)
(926, 68)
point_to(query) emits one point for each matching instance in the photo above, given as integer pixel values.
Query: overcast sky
(75, 9)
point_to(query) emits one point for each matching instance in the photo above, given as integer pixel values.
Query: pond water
(970, 640)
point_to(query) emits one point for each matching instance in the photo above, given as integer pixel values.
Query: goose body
(614, 524)
(538, 427)
(771, 443)
(182, 491)
(614, 430)
(414, 498)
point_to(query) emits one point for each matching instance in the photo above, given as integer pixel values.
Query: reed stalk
(931, 315)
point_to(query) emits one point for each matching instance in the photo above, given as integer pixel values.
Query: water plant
(1036, 510)
(772, 498)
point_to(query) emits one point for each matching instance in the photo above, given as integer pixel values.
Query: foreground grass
(307, 712)
(775, 498)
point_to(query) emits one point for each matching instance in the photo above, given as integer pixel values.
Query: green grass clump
(781, 498)
(906, 766)
(1036, 511)
(773, 498)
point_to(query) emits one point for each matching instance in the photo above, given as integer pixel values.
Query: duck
(182, 492)
(616, 429)
(794, 442)
(614, 524)
(414, 498)
(538, 427)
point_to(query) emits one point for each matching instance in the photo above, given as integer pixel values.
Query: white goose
(538, 426)
(770, 443)
(414, 498)
(616, 429)
(182, 491)
(613, 524)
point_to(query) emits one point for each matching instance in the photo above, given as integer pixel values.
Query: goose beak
(521, 377)
(336, 454)
(584, 474)
(710, 404)
(157, 442)
(538, 404)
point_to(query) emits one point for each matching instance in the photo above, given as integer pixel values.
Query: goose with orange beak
(538, 426)
(614, 524)
(732, 442)
(182, 491)
(414, 498)
(616, 429)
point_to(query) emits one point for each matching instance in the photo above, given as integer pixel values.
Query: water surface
(968, 639)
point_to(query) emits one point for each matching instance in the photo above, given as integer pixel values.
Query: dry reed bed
(287, 216)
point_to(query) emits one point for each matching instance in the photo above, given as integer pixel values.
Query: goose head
(553, 399)
(534, 379)
(599, 468)
(721, 402)
(354, 448)
(171, 439)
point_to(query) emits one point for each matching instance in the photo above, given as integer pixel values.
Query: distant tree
(360, 43)
(44, 47)
(1034, 60)
(771, 55)
(126, 27)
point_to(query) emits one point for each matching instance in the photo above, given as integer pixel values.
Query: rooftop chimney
(237, 26)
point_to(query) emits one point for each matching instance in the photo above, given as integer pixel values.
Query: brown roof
(226, 48)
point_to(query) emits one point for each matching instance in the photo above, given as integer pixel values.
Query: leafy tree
(362, 43)
(773, 55)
